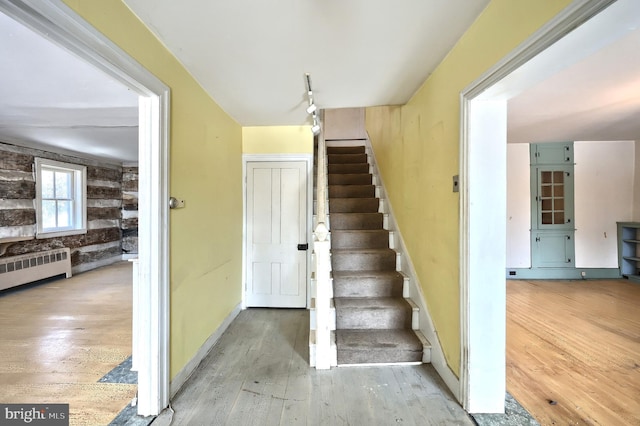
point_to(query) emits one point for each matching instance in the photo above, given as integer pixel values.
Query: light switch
(456, 184)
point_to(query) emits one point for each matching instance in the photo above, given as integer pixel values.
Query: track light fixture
(311, 109)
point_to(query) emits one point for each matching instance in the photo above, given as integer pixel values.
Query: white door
(276, 234)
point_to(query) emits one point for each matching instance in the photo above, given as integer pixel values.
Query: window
(61, 201)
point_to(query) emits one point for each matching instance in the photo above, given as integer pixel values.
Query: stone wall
(129, 222)
(101, 245)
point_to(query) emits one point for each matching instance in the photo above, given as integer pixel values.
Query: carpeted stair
(373, 320)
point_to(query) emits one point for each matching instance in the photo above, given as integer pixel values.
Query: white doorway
(276, 234)
(483, 161)
(58, 23)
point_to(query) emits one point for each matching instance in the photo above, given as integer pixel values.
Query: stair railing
(322, 248)
(321, 245)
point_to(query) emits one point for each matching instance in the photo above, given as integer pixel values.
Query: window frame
(79, 204)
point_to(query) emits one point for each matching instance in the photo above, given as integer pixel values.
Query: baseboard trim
(438, 360)
(85, 267)
(562, 273)
(183, 375)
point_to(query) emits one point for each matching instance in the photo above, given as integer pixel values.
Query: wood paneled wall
(101, 245)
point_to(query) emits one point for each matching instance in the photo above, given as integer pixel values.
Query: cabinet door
(552, 153)
(552, 203)
(552, 250)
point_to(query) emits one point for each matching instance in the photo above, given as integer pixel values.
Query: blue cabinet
(552, 206)
(629, 250)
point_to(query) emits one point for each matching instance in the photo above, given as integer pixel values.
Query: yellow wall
(417, 148)
(277, 140)
(205, 171)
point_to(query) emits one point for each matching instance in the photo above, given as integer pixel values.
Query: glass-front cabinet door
(554, 197)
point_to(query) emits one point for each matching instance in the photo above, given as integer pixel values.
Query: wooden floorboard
(59, 338)
(576, 343)
(258, 373)
(573, 350)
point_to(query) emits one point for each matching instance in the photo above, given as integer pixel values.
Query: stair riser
(346, 158)
(348, 168)
(359, 239)
(345, 150)
(355, 221)
(355, 261)
(379, 346)
(356, 356)
(365, 319)
(353, 205)
(350, 179)
(368, 287)
(352, 191)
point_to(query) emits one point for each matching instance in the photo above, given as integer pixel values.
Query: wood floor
(573, 350)
(58, 339)
(258, 374)
(573, 357)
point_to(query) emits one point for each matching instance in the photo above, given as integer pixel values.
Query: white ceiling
(251, 57)
(595, 99)
(50, 97)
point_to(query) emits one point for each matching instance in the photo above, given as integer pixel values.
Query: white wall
(518, 206)
(636, 184)
(604, 194)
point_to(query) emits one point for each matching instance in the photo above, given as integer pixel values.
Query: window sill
(65, 233)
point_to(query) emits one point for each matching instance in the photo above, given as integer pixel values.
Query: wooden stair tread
(379, 339)
(370, 303)
(365, 274)
(363, 251)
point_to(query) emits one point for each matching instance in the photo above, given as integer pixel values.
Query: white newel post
(322, 254)
(321, 247)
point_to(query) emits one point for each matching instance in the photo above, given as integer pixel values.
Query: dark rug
(121, 374)
(514, 415)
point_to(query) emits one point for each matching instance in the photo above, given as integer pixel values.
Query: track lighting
(311, 109)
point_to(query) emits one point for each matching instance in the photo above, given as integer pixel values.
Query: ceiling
(251, 57)
(595, 99)
(50, 97)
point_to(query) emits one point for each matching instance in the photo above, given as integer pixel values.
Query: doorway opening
(58, 23)
(483, 162)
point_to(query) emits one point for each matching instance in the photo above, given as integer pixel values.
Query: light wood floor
(258, 374)
(575, 343)
(58, 339)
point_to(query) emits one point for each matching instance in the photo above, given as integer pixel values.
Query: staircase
(374, 322)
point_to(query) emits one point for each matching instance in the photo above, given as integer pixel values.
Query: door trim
(482, 368)
(270, 158)
(55, 21)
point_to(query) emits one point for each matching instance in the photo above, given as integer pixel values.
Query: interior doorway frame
(58, 23)
(483, 232)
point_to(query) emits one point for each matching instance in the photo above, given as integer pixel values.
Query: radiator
(26, 268)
